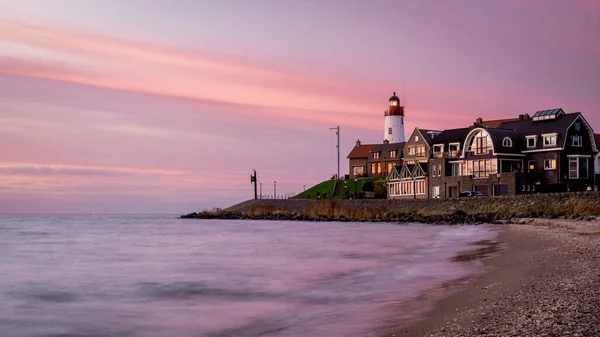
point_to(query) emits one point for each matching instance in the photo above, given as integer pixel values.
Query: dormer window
(375, 155)
(507, 142)
(393, 153)
(531, 142)
(550, 139)
(577, 141)
(438, 150)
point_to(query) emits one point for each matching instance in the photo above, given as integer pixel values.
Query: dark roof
(361, 151)
(498, 137)
(597, 136)
(425, 133)
(394, 97)
(529, 127)
(389, 147)
(495, 123)
(452, 136)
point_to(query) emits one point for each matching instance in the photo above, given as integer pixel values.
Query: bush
(380, 190)
(368, 186)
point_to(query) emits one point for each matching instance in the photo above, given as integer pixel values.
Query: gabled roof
(420, 167)
(361, 151)
(425, 134)
(451, 136)
(389, 147)
(498, 136)
(529, 127)
(495, 123)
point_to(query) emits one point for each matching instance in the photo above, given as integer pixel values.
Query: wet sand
(544, 282)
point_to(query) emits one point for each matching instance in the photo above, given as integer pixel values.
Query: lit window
(550, 140)
(577, 140)
(480, 143)
(507, 142)
(416, 138)
(531, 142)
(411, 150)
(421, 151)
(393, 103)
(393, 153)
(375, 155)
(550, 164)
(531, 165)
(453, 150)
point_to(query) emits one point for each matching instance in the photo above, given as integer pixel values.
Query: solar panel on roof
(548, 114)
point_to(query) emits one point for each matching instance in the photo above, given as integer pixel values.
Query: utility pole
(261, 190)
(337, 132)
(253, 180)
(275, 190)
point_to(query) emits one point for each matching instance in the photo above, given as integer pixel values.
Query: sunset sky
(150, 106)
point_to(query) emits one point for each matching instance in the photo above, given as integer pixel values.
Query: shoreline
(544, 281)
(492, 210)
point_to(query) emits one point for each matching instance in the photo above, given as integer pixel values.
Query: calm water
(160, 276)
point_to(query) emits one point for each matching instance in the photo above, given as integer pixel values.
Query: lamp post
(345, 189)
(497, 191)
(355, 190)
(261, 190)
(275, 190)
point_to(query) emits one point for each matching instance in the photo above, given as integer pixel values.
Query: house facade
(382, 159)
(551, 151)
(357, 159)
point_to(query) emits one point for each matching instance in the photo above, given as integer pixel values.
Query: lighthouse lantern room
(394, 121)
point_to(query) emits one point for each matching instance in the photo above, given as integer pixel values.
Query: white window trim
(544, 150)
(580, 141)
(534, 141)
(441, 146)
(555, 135)
(506, 141)
(576, 170)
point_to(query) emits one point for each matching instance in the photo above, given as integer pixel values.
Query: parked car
(471, 194)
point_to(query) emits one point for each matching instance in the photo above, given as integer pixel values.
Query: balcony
(451, 154)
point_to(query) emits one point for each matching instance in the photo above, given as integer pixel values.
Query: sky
(150, 106)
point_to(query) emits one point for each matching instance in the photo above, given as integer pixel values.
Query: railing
(451, 154)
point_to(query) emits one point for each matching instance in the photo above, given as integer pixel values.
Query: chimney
(526, 116)
(357, 143)
(478, 121)
(521, 117)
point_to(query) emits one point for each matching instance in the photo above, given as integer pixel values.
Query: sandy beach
(544, 282)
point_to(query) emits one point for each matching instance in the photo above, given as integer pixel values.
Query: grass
(327, 186)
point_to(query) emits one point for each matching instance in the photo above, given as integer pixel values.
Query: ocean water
(93, 275)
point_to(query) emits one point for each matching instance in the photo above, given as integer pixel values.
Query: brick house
(357, 159)
(382, 158)
(549, 152)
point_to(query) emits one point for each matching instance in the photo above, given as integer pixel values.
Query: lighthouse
(394, 121)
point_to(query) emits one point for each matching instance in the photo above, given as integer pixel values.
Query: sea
(150, 275)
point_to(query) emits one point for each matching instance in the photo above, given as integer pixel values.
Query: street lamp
(345, 189)
(355, 190)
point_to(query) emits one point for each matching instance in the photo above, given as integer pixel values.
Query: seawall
(464, 210)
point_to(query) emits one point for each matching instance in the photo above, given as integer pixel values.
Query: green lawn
(327, 186)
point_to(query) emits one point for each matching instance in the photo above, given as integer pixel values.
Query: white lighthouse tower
(394, 121)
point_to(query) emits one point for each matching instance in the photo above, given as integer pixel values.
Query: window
(507, 166)
(453, 150)
(411, 150)
(550, 140)
(421, 151)
(375, 155)
(456, 168)
(531, 165)
(576, 140)
(378, 167)
(531, 142)
(439, 168)
(357, 171)
(373, 168)
(550, 164)
(480, 168)
(433, 171)
(578, 168)
(394, 103)
(480, 143)
(416, 138)
(507, 142)
(390, 166)
(438, 150)
(436, 192)
(390, 131)
(578, 126)
(393, 153)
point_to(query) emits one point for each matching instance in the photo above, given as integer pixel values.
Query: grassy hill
(327, 186)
